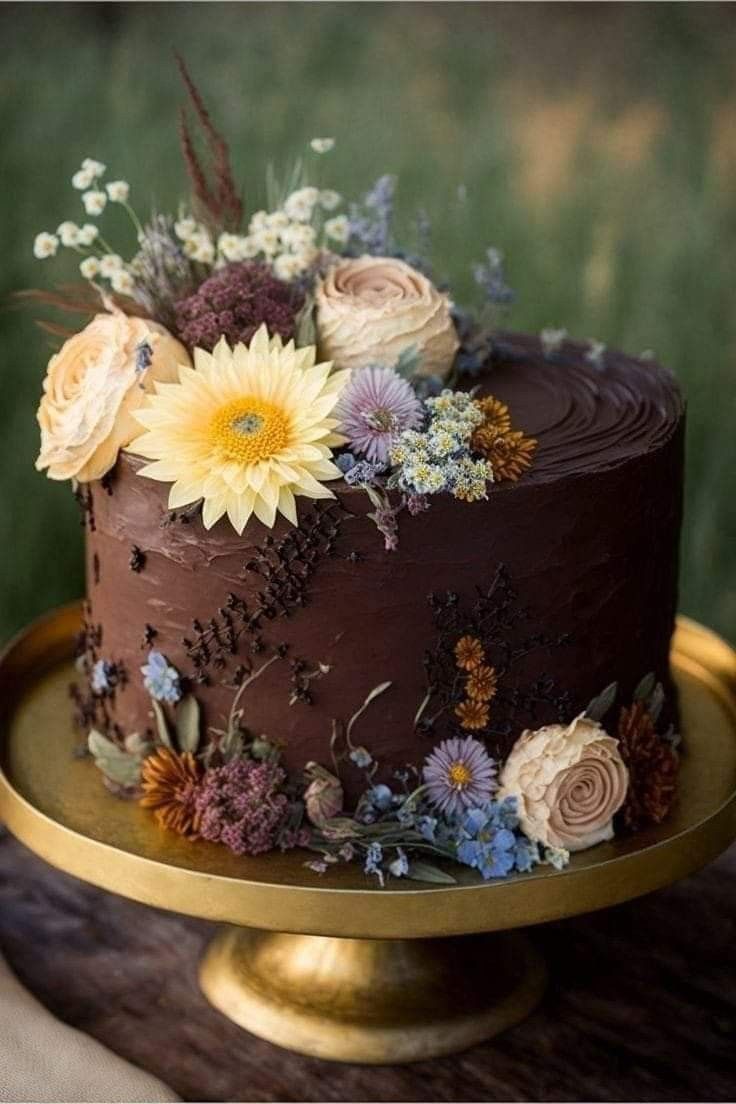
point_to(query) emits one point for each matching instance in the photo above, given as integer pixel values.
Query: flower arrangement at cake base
(562, 789)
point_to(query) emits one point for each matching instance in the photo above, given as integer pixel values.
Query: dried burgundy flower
(233, 303)
(240, 805)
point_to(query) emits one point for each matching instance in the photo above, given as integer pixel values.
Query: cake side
(568, 576)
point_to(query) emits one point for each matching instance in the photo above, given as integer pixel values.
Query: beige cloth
(42, 1059)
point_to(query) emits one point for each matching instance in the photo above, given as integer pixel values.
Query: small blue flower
(400, 866)
(380, 796)
(364, 471)
(373, 860)
(427, 827)
(361, 757)
(100, 677)
(160, 679)
(345, 461)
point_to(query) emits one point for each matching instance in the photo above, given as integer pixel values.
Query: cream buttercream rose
(569, 782)
(93, 386)
(371, 309)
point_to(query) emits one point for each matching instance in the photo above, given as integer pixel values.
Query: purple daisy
(375, 407)
(459, 774)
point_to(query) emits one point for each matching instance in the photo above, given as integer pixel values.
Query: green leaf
(408, 362)
(645, 687)
(427, 872)
(125, 771)
(600, 705)
(161, 724)
(186, 720)
(102, 748)
(656, 701)
(305, 330)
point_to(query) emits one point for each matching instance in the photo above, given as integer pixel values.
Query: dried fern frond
(216, 194)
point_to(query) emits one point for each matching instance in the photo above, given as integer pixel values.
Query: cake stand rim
(368, 912)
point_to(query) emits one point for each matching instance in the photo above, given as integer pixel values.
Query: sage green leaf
(187, 723)
(305, 330)
(125, 771)
(645, 687)
(161, 724)
(600, 705)
(427, 872)
(102, 748)
(408, 362)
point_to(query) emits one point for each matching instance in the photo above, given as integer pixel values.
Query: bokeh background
(595, 144)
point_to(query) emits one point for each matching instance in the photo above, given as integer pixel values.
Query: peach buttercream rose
(569, 783)
(93, 385)
(371, 309)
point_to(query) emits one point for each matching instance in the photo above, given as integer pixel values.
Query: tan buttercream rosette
(93, 385)
(371, 309)
(569, 782)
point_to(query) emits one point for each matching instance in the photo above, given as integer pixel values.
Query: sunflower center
(248, 430)
(459, 775)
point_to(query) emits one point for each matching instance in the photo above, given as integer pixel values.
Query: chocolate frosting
(587, 543)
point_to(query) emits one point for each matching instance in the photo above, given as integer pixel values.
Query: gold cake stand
(335, 966)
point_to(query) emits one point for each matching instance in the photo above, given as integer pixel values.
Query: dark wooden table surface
(641, 1005)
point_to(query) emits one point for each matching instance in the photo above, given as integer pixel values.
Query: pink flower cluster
(240, 806)
(234, 303)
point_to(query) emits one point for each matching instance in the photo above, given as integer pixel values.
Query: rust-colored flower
(170, 783)
(496, 420)
(510, 454)
(653, 768)
(469, 652)
(472, 714)
(482, 683)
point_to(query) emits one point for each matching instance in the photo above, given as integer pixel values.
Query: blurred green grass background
(595, 144)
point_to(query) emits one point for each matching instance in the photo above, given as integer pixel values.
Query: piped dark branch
(215, 192)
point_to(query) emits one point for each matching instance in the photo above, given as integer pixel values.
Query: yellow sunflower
(245, 430)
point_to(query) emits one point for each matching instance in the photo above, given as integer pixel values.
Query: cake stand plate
(334, 966)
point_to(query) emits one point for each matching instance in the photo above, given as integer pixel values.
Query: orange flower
(482, 683)
(510, 454)
(472, 714)
(468, 652)
(169, 782)
(496, 420)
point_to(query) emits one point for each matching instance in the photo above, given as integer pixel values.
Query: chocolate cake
(366, 576)
(568, 576)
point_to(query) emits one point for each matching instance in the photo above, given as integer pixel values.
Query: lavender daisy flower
(459, 774)
(375, 407)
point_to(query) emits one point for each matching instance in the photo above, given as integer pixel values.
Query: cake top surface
(584, 418)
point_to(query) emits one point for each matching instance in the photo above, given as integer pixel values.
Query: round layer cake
(566, 578)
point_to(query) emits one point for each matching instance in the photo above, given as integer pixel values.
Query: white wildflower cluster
(197, 241)
(288, 239)
(99, 260)
(439, 458)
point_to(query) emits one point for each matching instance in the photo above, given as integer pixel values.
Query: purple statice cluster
(358, 473)
(233, 303)
(242, 806)
(490, 276)
(371, 220)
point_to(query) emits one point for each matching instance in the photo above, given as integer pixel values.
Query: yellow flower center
(248, 430)
(459, 775)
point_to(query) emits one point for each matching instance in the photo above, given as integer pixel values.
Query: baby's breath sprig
(100, 260)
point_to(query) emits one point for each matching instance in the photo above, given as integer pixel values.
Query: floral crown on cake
(255, 367)
(253, 362)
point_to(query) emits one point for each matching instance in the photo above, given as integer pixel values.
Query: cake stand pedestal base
(371, 1000)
